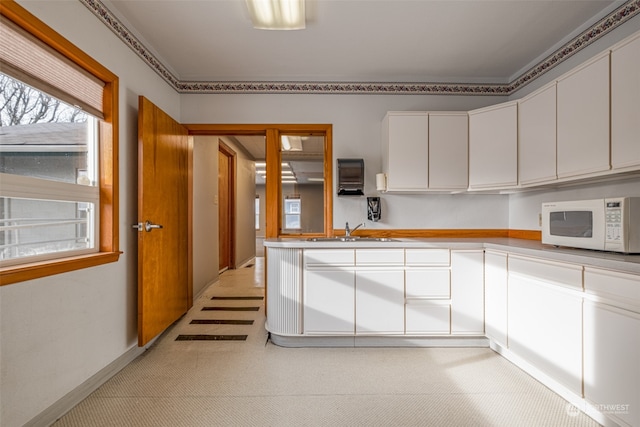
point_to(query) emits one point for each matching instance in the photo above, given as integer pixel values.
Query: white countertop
(610, 260)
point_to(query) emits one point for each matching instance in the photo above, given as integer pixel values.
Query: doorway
(226, 207)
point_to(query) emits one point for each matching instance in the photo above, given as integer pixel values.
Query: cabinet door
(545, 328)
(583, 119)
(625, 104)
(428, 317)
(405, 155)
(329, 301)
(428, 283)
(537, 137)
(612, 361)
(495, 296)
(448, 151)
(493, 146)
(380, 302)
(467, 292)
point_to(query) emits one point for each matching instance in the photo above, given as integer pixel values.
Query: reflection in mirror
(302, 184)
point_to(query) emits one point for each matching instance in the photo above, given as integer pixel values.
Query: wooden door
(226, 206)
(163, 171)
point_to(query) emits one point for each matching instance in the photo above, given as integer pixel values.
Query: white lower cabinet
(329, 292)
(612, 344)
(495, 296)
(467, 292)
(545, 318)
(379, 302)
(379, 291)
(428, 292)
(329, 302)
(427, 317)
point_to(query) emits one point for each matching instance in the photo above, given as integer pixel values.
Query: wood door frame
(231, 155)
(272, 134)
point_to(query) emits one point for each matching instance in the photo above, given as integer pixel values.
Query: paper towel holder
(350, 177)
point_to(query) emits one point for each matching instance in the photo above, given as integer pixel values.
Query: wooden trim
(526, 234)
(273, 190)
(108, 154)
(472, 233)
(428, 233)
(253, 129)
(232, 157)
(328, 181)
(189, 222)
(37, 270)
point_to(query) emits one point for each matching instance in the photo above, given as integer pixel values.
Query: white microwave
(611, 224)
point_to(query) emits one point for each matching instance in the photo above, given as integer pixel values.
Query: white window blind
(27, 59)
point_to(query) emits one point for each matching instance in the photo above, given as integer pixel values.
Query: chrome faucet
(348, 231)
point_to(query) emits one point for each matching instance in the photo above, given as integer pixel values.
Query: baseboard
(77, 395)
(378, 341)
(251, 260)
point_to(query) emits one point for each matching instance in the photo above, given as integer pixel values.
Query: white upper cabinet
(537, 136)
(448, 150)
(493, 146)
(583, 119)
(425, 151)
(405, 150)
(625, 104)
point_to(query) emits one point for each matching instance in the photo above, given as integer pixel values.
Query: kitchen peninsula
(548, 310)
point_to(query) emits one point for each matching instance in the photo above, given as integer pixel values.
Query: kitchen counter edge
(534, 248)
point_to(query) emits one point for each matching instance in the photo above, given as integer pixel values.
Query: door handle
(146, 226)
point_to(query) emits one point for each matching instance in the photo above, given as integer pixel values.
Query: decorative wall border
(616, 18)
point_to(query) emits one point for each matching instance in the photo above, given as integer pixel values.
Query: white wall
(59, 331)
(356, 121)
(205, 212)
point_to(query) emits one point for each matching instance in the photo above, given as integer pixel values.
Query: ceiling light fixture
(277, 14)
(291, 143)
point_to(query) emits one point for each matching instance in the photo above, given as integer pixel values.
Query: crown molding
(604, 26)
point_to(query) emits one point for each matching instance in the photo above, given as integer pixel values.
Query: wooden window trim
(108, 156)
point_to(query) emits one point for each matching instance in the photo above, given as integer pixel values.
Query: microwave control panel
(613, 220)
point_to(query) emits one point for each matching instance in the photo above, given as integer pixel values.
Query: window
(58, 153)
(292, 212)
(48, 170)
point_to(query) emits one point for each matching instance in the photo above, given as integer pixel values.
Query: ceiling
(449, 41)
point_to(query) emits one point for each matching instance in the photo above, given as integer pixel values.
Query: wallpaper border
(616, 18)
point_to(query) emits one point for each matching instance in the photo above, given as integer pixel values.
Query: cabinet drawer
(621, 287)
(379, 257)
(431, 283)
(427, 318)
(319, 257)
(427, 256)
(566, 275)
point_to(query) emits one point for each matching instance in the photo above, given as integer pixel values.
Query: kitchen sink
(350, 239)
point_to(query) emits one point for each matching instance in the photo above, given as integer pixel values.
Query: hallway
(255, 383)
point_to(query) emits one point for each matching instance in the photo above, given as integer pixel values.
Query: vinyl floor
(252, 382)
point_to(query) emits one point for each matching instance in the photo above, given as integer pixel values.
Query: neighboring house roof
(67, 137)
